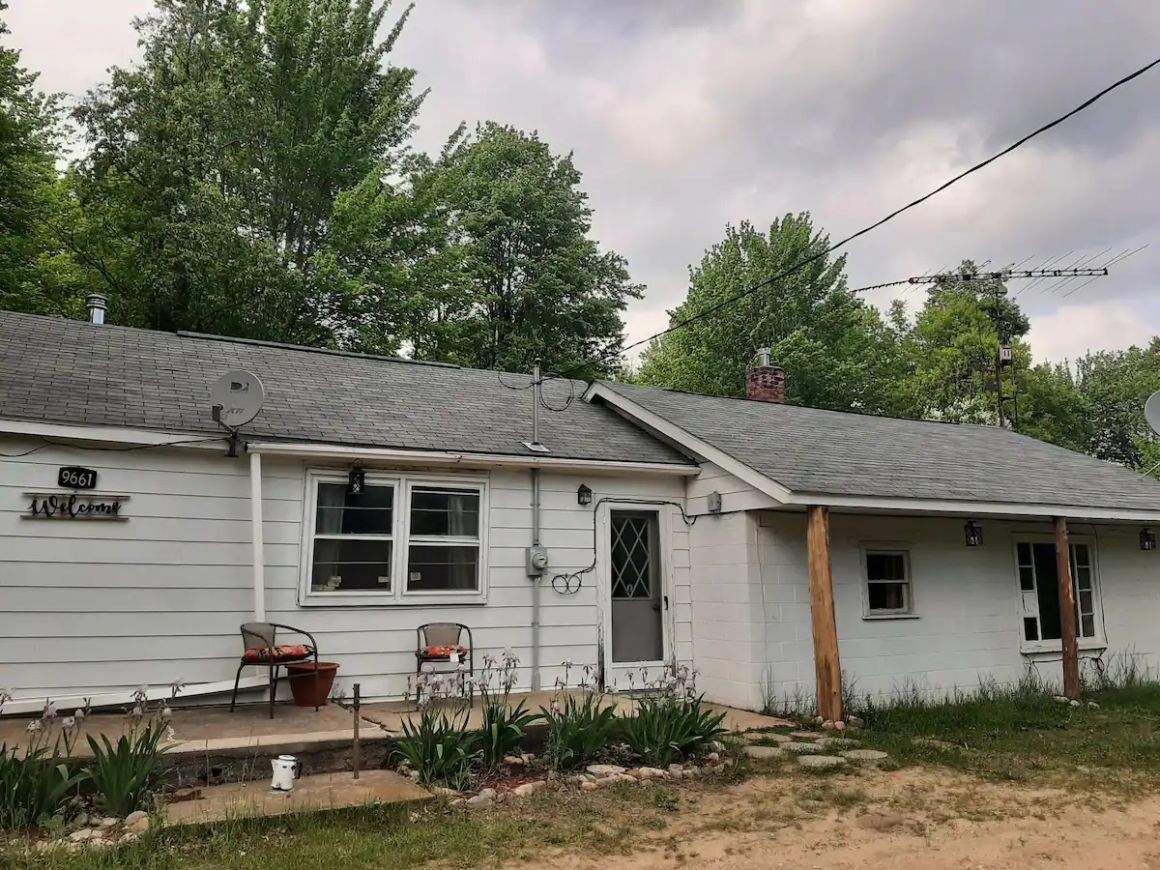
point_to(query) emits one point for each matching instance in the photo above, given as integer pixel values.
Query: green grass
(1024, 734)
(392, 836)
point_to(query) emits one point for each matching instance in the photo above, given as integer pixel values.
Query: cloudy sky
(685, 115)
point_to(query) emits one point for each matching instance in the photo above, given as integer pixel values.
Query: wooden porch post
(1067, 628)
(825, 630)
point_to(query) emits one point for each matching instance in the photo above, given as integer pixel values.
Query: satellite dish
(1152, 411)
(237, 398)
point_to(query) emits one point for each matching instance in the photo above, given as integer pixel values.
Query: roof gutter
(464, 459)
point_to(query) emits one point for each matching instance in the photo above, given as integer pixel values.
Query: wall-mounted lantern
(973, 533)
(583, 496)
(1147, 539)
(356, 482)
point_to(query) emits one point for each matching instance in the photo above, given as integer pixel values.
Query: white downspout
(258, 556)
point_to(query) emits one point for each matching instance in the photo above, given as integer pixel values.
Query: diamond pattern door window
(632, 556)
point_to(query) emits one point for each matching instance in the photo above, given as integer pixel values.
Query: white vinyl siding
(90, 607)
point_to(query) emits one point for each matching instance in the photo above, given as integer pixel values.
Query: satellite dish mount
(237, 398)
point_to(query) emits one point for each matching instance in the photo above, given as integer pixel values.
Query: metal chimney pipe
(97, 305)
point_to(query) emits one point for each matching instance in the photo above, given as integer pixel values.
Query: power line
(871, 227)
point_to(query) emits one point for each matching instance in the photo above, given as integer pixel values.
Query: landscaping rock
(855, 722)
(127, 838)
(934, 743)
(1061, 699)
(444, 791)
(107, 823)
(764, 752)
(138, 822)
(827, 725)
(514, 761)
(802, 748)
(602, 770)
(85, 835)
(646, 773)
(1092, 705)
(837, 743)
(821, 762)
(839, 726)
(529, 788)
(589, 785)
(805, 735)
(713, 756)
(1074, 703)
(864, 755)
(482, 800)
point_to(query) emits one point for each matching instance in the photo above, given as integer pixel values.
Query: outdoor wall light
(1147, 539)
(583, 495)
(356, 482)
(974, 533)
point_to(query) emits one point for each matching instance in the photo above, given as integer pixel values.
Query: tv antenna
(237, 398)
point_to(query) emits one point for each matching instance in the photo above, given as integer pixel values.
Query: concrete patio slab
(327, 791)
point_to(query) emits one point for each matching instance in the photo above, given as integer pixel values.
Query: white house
(132, 546)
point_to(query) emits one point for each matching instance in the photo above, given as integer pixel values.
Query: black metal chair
(261, 651)
(437, 642)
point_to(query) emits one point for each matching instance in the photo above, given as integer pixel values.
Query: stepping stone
(864, 755)
(934, 743)
(768, 737)
(764, 752)
(802, 748)
(805, 735)
(821, 762)
(838, 743)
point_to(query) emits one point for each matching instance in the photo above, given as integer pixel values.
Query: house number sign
(75, 477)
(74, 506)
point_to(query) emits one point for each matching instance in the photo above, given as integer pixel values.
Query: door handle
(666, 600)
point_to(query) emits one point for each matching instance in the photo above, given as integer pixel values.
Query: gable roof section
(806, 454)
(72, 372)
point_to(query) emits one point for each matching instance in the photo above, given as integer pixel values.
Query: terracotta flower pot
(302, 684)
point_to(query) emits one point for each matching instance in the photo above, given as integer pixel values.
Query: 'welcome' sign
(74, 506)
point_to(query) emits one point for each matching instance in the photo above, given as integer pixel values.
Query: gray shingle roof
(827, 452)
(68, 371)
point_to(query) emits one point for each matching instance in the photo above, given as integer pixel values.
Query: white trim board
(680, 437)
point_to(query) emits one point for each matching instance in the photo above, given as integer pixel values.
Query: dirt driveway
(907, 820)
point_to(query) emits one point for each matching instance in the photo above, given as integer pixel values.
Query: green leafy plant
(581, 724)
(664, 730)
(125, 773)
(503, 725)
(439, 747)
(37, 784)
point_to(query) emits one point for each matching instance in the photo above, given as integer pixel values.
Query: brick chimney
(765, 382)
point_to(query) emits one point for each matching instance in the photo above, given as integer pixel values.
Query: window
(401, 538)
(1039, 589)
(888, 590)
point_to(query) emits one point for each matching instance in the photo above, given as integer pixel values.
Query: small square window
(888, 589)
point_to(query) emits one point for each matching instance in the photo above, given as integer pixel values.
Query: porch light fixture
(974, 533)
(583, 495)
(356, 482)
(1147, 539)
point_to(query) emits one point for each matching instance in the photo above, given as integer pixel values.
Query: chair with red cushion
(259, 640)
(438, 642)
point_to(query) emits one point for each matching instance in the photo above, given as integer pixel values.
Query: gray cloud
(685, 115)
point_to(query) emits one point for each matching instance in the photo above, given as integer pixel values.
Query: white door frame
(615, 672)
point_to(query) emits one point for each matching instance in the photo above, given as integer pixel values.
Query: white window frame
(891, 548)
(1099, 641)
(398, 595)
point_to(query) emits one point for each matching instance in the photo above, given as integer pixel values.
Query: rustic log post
(825, 630)
(1067, 629)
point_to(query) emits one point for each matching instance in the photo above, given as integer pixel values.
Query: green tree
(221, 165)
(836, 349)
(520, 277)
(1114, 386)
(37, 273)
